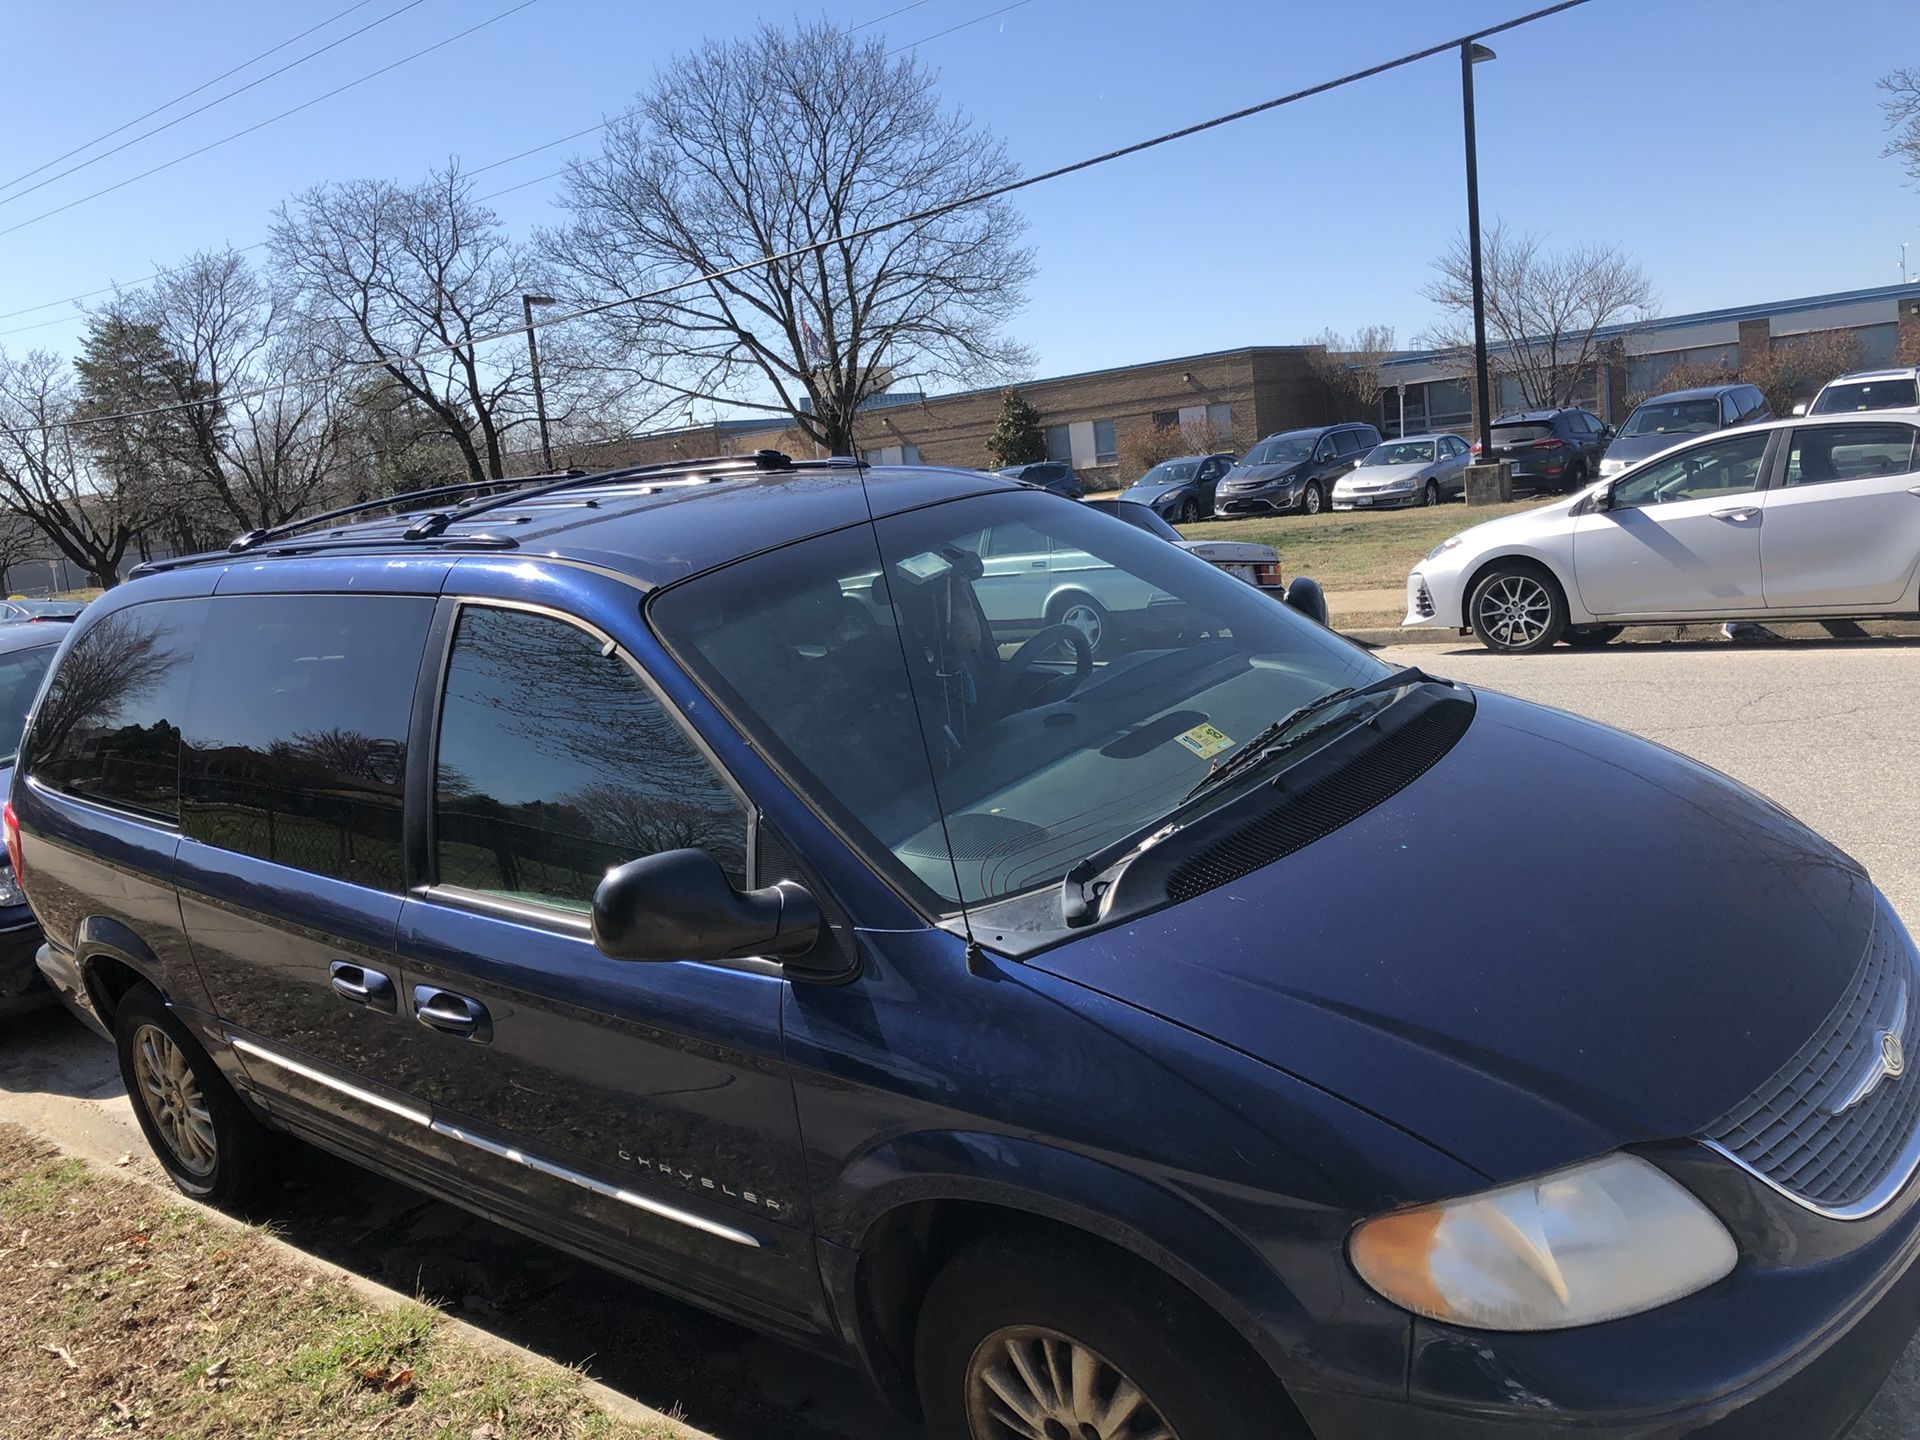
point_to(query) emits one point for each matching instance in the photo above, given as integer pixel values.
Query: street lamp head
(1476, 52)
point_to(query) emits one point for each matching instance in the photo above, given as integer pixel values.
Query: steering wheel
(1021, 661)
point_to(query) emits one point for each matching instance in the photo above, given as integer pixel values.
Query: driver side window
(1703, 472)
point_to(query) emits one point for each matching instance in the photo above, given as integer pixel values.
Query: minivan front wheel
(1312, 501)
(1517, 609)
(1021, 1341)
(200, 1131)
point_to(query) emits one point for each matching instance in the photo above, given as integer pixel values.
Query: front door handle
(1737, 513)
(1913, 489)
(358, 985)
(453, 1014)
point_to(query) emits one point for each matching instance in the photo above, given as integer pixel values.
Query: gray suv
(1293, 471)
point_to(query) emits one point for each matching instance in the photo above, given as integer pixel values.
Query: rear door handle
(1913, 489)
(453, 1014)
(1737, 513)
(358, 985)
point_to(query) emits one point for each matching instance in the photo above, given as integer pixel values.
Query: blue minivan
(726, 872)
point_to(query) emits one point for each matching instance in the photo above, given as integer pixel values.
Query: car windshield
(1866, 395)
(1674, 417)
(1170, 472)
(1016, 684)
(1402, 452)
(20, 675)
(1282, 449)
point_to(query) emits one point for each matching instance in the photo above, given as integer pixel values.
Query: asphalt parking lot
(1823, 727)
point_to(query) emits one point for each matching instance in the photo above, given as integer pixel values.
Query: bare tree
(1144, 446)
(49, 475)
(1902, 107)
(1547, 307)
(751, 148)
(1795, 366)
(1349, 366)
(384, 272)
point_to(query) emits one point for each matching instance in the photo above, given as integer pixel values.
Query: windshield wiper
(1265, 743)
(1076, 904)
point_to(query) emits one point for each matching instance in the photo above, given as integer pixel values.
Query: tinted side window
(1823, 453)
(296, 731)
(1729, 409)
(1346, 442)
(109, 729)
(556, 764)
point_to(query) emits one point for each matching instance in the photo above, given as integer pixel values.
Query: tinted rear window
(296, 732)
(1865, 395)
(109, 729)
(1520, 434)
(20, 675)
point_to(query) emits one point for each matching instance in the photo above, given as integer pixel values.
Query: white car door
(1017, 578)
(1843, 525)
(1680, 535)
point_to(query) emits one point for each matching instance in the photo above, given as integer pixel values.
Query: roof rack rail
(432, 524)
(254, 538)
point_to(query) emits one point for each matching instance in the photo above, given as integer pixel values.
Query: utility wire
(961, 26)
(188, 95)
(890, 14)
(201, 109)
(979, 197)
(271, 119)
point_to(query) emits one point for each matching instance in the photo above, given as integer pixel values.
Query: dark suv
(1293, 471)
(689, 867)
(1550, 449)
(1054, 476)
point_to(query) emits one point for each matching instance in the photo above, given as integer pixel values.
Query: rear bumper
(20, 985)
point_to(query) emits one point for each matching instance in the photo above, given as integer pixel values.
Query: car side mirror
(1602, 499)
(1607, 432)
(680, 905)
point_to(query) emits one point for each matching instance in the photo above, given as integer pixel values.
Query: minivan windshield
(1403, 452)
(1843, 397)
(1674, 417)
(1282, 449)
(1005, 685)
(20, 675)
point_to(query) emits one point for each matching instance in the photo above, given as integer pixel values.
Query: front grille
(1422, 600)
(1785, 1132)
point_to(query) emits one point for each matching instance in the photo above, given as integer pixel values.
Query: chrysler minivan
(688, 867)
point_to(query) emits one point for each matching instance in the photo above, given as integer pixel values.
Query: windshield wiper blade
(1265, 743)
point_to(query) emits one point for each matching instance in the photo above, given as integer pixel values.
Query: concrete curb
(1654, 634)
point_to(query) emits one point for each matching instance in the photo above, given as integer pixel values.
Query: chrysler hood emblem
(1887, 1060)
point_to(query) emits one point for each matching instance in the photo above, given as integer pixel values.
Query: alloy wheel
(1189, 512)
(1026, 1382)
(171, 1093)
(1515, 610)
(1086, 620)
(1431, 496)
(1310, 500)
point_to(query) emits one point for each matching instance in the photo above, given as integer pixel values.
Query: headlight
(10, 891)
(1609, 1238)
(1450, 543)
(1610, 468)
(1401, 485)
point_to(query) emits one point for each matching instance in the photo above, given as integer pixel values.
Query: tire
(1591, 637)
(1517, 609)
(1002, 1296)
(1312, 499)
(1577, 478)
(1085, 614)
(1431, 495)
(1189, 511)
(202, 1134)
(1308, 598)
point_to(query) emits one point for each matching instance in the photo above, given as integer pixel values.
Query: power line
(272, 119)
(961, 26)
(890, 14)
(188, 95)
(199, 109)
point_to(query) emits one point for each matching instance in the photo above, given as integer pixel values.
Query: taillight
(1476, 447)
(1268, 576)
(1548, 444)
(12, 823)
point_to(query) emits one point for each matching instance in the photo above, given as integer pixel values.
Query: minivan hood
(1557, 941)
(1259, 473)
(1635, 448)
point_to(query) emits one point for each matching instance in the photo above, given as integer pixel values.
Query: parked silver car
(1413, 470)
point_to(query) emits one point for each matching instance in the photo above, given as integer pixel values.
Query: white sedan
(1816, 518)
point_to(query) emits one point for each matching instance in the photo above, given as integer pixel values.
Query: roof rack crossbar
(432, 524)
(254, 538)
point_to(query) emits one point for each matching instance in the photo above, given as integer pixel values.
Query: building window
(1220, 422)
(1106, 450)
(1060, 444)
(1165, 419)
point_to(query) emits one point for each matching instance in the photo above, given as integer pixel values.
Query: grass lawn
(128, 1314)
(1355, 550)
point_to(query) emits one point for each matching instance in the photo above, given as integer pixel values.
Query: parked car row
(751, 883)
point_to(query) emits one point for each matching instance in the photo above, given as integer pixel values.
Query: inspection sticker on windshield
(1206, 741)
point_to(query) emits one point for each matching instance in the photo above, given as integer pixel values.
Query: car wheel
(1591, 637)
(1517, 609)
(1018, 1341)
(1431, 495)
(1084, 614)
(1189, 511)
(1312, 501)
(202, 1134)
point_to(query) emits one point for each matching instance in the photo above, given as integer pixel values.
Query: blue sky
(1731, 146)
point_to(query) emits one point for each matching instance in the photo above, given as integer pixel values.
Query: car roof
(30, 635)
(1698, 392)
(652, 524)
(1421, 435)
(1183, 459)
(1534, 417)
(1898, 372)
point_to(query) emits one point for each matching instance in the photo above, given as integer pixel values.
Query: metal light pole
(527, 302)
(1471, 55)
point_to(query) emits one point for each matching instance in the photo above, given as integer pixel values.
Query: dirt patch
(127, 1315)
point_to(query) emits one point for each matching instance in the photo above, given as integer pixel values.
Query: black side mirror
(680, 905)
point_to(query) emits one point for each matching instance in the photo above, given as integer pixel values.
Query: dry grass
(129, 1315)
(1356, 550)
